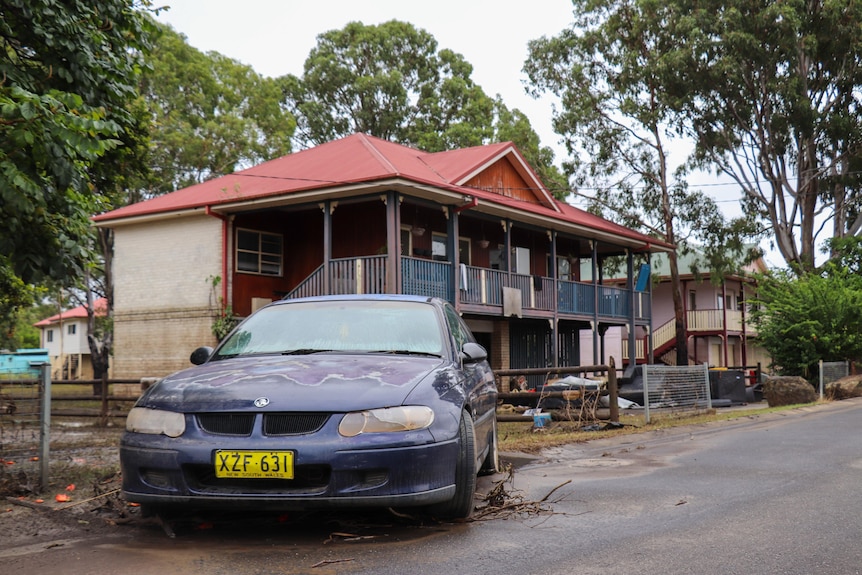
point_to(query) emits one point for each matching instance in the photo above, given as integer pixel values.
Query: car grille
(275, 424)
(226, 423)
(293, 423)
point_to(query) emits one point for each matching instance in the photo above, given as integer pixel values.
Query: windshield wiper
(306, 351)
(405, 352)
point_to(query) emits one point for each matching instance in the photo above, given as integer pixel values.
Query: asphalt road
(773, 494)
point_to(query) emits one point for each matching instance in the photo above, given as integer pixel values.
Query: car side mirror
(201, 354)
(473, 353)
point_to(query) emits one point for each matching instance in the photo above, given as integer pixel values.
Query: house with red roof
(360, 214)
(64, 336)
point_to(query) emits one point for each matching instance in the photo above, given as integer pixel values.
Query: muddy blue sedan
(337, 401)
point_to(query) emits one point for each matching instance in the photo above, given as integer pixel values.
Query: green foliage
(23, 334)
(391, 81)
(388, 81)
(816, 316)
(767, 91)
(610, 71)
(68, 71)
(212, 115)
(14, 295)
(224, 320)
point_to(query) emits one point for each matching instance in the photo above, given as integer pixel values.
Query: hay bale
(844, 388)
(788, 390)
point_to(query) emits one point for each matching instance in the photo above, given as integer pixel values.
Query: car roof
(365, 297)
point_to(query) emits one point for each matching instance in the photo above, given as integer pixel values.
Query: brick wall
(500, 346)
(164, 302)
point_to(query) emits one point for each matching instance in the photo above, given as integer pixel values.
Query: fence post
(820, 363)
(613, 391)
(45, 426)
(708, 386)
(646, 392)
(104, 394)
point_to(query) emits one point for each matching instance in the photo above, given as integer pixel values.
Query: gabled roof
(100, 305)
(360, 161)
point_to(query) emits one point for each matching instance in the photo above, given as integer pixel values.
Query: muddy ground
(82, 494)
(83, 500)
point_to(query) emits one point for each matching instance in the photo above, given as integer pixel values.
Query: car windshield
(333, 326)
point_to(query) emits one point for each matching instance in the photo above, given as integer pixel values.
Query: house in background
(718, 329)
(358, 215)
(65, 337)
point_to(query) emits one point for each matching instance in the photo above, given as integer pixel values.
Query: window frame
(261, 263)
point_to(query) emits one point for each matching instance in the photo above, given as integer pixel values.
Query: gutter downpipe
(474, 201)
(224, 232)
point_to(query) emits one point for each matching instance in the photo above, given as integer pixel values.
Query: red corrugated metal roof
(100, 305)
(362, 159)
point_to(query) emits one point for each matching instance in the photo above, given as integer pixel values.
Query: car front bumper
(419, 471)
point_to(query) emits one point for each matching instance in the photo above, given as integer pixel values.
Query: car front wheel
(461, 505)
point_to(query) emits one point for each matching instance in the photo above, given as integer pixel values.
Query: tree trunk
(678, 311)
(100, 351)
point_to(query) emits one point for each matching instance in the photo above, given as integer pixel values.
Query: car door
(479, 385)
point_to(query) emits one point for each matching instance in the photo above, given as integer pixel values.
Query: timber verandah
(480, 290)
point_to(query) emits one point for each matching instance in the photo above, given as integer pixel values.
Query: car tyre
(491, 465)
(461, 505)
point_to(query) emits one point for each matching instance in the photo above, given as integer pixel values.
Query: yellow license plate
(254, 464)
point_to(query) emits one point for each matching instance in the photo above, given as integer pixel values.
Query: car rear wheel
(461, 505)
(491, 465)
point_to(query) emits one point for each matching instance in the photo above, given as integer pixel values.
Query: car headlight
(155, 421)
(407, 418)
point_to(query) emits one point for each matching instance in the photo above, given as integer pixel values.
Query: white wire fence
(25, 417)
(832, 371)
(676, 388)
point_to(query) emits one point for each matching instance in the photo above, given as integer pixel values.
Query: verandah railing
(480, 286)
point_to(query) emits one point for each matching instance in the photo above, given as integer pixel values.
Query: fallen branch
(329, 562)
(105, 494)
(28, 504)
(545, 498)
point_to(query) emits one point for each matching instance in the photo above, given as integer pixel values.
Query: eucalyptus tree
(609, 70)
(391, 81)
(769, 92)
(211, 115)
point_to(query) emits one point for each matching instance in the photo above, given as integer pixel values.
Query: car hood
(320, 382)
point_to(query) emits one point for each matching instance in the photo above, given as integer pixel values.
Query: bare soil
(81, 497)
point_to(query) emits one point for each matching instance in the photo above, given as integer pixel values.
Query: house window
(564, 268)
(438, 247)
(692, 300)
(728, 301)
(49, 336)
(258, 252)
(464, 250)
(521, 260)
(497, 257)
(71, 329)
(406, 241)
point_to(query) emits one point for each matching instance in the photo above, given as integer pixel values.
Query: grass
(516, 436)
